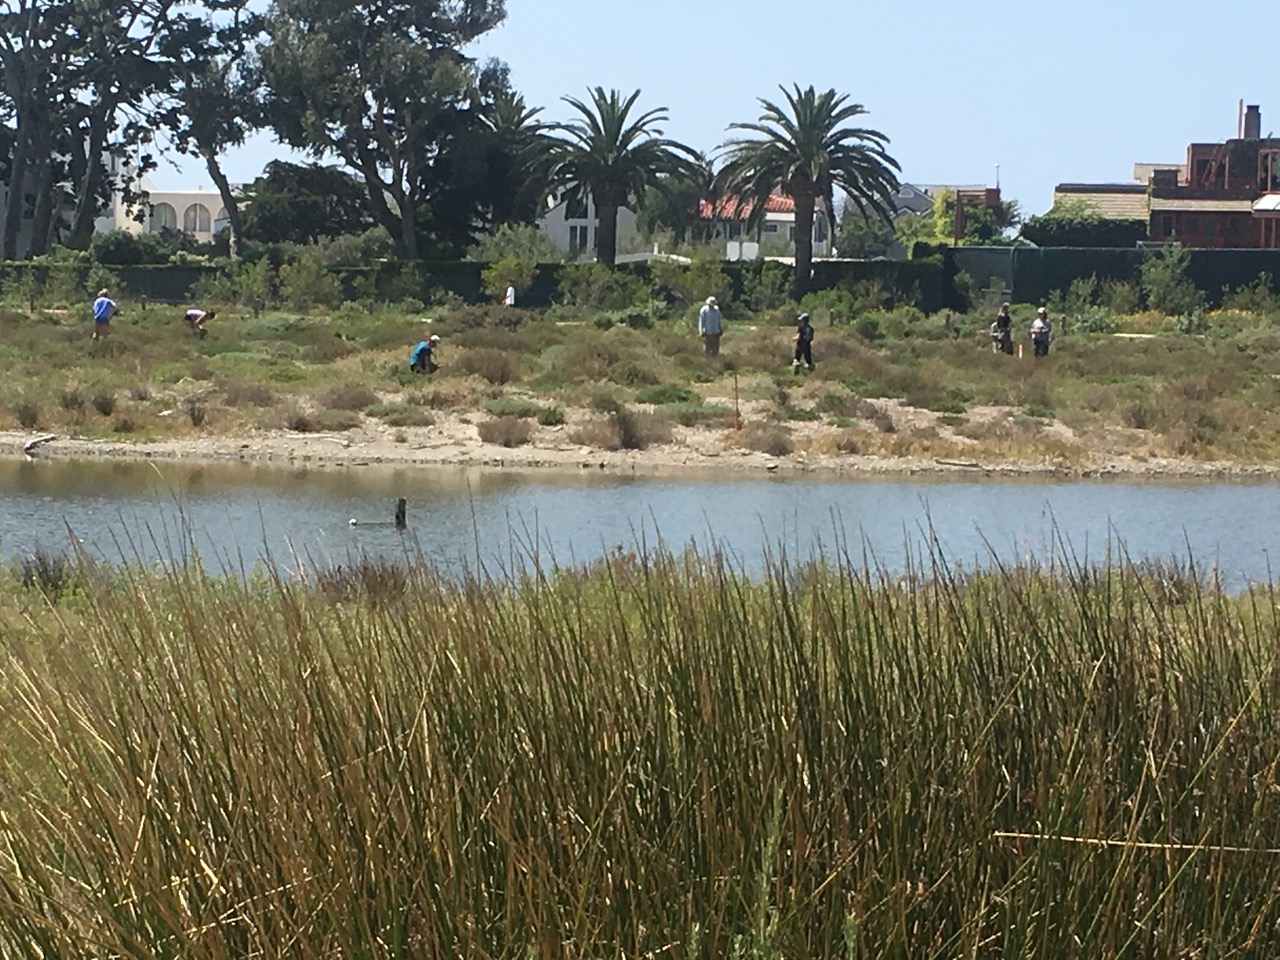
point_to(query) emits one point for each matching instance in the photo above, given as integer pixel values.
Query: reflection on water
(234, 513)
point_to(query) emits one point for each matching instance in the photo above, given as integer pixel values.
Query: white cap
(711, 301)
(435, 338)
(1042, 310)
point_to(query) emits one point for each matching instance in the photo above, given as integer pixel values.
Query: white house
(197, 212)
(726, 219)
(572, 225)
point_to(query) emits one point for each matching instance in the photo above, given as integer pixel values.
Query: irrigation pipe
(1136, 844)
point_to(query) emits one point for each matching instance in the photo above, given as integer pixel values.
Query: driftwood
(34, 443)
(400, 522)
(969, 464)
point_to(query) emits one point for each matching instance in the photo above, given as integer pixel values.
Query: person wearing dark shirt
(804, 343)
(1002, 331)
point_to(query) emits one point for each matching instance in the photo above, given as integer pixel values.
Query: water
(238, 514)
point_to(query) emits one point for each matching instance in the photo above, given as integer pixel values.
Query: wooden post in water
(402, 506)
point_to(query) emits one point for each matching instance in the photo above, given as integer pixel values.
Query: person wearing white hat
(421, 360)
(1041, 330)
(710, 327)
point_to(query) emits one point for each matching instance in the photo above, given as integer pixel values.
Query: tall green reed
(651, 756)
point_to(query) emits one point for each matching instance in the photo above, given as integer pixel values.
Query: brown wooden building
(1226, 195)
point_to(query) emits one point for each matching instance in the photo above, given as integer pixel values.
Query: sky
(1050, 91)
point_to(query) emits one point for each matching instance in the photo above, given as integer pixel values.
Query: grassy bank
(651, 757)
(893, 383)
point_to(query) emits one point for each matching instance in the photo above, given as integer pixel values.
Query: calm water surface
(238, 514)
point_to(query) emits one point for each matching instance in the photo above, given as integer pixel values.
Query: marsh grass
(655, 755)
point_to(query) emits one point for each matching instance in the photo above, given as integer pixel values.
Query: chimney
(1253, 122)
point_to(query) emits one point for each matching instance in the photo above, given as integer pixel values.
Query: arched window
(163, 217)
(196, 219)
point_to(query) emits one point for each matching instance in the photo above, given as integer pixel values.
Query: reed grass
(654, 756)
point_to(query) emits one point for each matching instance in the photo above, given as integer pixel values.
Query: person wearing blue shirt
(420, 360)
(104, 308)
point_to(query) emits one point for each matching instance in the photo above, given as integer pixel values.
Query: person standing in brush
(104, 308)
(1041, 331)
(1002, 331)
(804, 344)
(710, 327)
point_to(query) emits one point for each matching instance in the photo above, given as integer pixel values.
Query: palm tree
(614, 159)
(520, 160)
(806, 152)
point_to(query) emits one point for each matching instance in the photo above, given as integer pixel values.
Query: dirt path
(703, 451)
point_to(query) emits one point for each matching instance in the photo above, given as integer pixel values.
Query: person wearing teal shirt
(420, 360)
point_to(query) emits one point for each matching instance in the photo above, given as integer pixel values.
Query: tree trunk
(89, 186)
(606, 232)
(406, 246)
(804, 242)
(407, 243)
(17, 190)
(48, 204)
(229, 203)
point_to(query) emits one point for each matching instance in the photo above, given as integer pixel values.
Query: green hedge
(927, 282)
(1033, 273)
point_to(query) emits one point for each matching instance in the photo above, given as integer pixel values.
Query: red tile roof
(731, 208)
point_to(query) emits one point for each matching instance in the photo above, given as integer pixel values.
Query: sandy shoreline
(701, 455)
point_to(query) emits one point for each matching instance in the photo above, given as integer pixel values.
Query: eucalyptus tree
(380, 85)
(216, 101)
(83, 80)
(615, 159)
(806, 150)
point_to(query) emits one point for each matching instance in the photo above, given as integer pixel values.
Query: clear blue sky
(1051, 91)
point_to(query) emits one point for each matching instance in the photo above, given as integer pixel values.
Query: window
(163, 217)
(791, 233)
(196, 219)
(735, 231)
(770, 228)
(575, 207)
(1167, 227)
(579, 239)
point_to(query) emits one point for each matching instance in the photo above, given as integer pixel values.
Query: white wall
(562, 230)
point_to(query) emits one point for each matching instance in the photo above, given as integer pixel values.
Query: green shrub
(401, 415)
(593, 286)
(307, 283)
(550, 416)
(1166, 285)
(639, 431)
(666, 393)
(347, 397)
(498, 367)
(104, 402)
(512, 407)
(27, 413)
(506, 431)
(690, 284)
(512, 270)
(766, 438)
